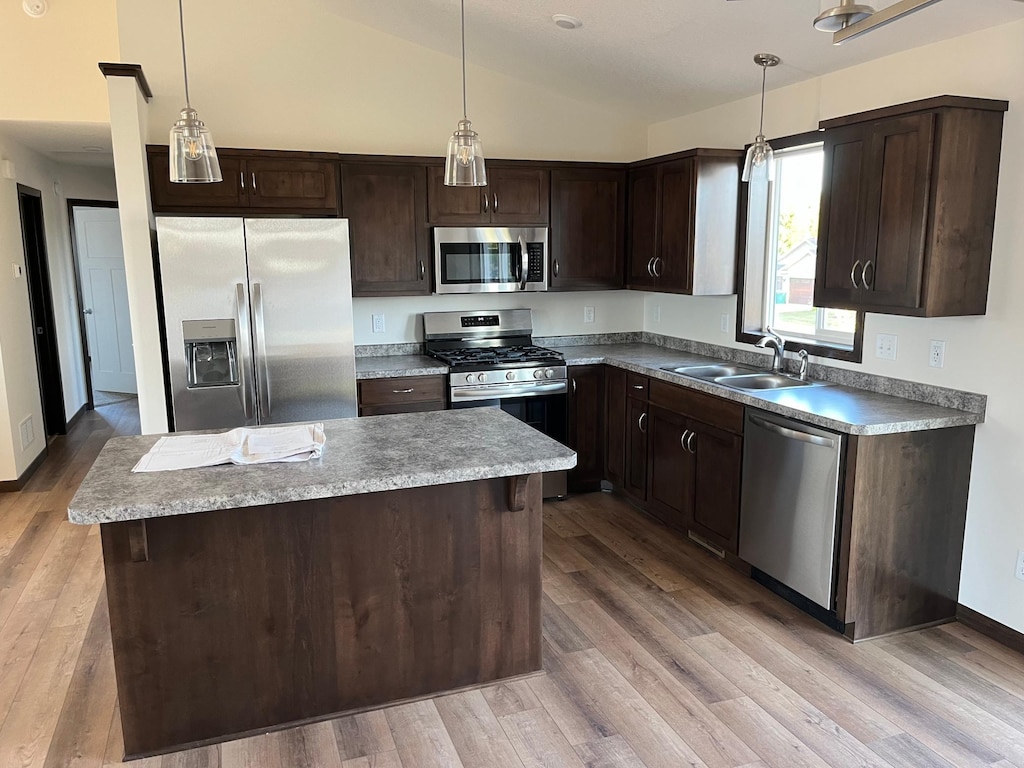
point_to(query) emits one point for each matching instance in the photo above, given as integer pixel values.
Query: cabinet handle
(650, 266)
(864, 275)
(654, 266)
(403, 391)
(853, 273)
(423, 270)
(574, 386)
(554, 268)
(487, 202)
(252, 176)
(682, 439)
(689, 442)
(638, 386)
(640, 423)
(241, 179)
(495, 208)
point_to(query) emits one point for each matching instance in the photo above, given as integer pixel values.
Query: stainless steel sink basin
(712, 371)
(758, 381)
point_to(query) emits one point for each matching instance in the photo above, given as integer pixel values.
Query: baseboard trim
(13, 486)
(991, 628)
(75, 418)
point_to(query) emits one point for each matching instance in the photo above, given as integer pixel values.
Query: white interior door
(105, 299)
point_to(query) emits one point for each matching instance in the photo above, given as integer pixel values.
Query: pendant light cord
(764, 74)
(465, 111)
(184, 60)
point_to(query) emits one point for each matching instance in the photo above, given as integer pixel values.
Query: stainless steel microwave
(490, 259)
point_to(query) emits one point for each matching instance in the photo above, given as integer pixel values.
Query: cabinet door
(635, 480)
(309, 186)
(673, 268)
(586, 426)
(169, 197)
(588, 209)
(615, 425)
(716, 503)
(386, 206)
(671, 467)
(455, 206)
(519, 196)
(898, 178)
(642, 227)
(841, 252)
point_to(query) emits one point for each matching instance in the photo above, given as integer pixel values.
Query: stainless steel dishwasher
(790, 502)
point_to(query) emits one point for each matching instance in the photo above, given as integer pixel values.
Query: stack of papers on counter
(296, 442)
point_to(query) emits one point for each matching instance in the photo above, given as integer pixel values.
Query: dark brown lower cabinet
(671, 471)
(408, 394)
(586, 426)
(635, 479)
(718, 459)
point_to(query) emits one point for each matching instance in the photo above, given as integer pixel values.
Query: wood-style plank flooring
(655, 654)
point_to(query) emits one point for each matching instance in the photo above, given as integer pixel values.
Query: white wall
(19, 388)
(986, 64)
(553, 313)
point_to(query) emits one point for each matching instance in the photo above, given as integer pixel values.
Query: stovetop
(518, 356)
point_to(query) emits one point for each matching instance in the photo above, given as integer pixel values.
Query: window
(781, 257)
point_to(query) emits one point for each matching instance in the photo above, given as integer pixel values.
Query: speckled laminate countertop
(365, 455)
(844, 409)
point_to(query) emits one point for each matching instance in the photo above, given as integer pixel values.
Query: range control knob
(469, 378)
(511, 376)
(481, 377)
(538, 374)
(549, 374)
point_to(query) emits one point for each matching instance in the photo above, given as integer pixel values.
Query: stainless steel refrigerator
(258, 320)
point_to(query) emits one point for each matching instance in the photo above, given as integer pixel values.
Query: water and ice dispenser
(211, 353)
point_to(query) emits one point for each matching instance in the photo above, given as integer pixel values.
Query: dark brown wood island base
(253, 619)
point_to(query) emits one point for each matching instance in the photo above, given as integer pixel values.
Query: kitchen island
(404, 562)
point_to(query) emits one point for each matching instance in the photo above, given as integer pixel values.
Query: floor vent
(713, 549)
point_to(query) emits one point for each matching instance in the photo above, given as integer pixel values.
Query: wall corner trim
(110, 69)
(991, 628)
(13, 486)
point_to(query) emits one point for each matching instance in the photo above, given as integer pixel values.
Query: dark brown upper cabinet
(908, 208)
(683, 223)
(588, 210)
(514, 196)
(386, 205)
(255, 182)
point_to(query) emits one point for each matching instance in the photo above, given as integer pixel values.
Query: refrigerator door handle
(245, 390)
(262, 369)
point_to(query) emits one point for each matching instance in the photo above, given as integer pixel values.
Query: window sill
(853, 354)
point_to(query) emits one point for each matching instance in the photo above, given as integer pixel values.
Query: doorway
(103, 298)
(33, 236)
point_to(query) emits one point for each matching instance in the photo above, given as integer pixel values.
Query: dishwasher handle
(793, 434)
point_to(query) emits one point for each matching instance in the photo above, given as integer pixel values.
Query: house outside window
(781, 257)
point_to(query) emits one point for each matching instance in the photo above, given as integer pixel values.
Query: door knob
(86, 311)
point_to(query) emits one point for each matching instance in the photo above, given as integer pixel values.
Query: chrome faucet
(803, 364)
(778, 345)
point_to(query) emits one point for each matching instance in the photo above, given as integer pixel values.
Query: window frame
(819, 348)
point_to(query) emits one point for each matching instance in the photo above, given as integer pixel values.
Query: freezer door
(206, 304)
(301, 296)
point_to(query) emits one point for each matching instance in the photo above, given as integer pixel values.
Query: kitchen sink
(712, 371)
(760, 381)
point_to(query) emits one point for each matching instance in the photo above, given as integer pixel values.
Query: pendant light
(464, 163)
(760, 158)
(193, 156)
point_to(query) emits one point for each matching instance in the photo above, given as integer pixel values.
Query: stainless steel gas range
(492, 362)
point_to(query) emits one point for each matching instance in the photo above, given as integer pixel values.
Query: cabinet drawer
(410, 389)
(637, 385)
(382, 410)
(697, 405)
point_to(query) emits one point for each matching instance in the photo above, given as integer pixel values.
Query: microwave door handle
(524, 263)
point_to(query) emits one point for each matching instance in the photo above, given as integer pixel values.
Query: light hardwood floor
(655, 654)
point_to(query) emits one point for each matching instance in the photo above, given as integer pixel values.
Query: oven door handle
(508, 390)
(524, 263)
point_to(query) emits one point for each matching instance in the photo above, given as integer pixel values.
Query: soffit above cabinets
(659, 58)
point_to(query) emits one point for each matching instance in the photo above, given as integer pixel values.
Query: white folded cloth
(244, 445)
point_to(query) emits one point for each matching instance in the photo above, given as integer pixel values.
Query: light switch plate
(885, 346)
(378, 322)
(725, 323)
(1019, 573)
(657, 313)
(18, 270)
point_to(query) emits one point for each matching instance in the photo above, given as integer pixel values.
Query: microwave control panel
(535, 262)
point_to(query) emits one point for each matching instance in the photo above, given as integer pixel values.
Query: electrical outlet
(725, 323)
(657, 313)
(1019, 573)
(588, 314)
(28, 432)
(936, 353)
(885, 346)
(378, 322)
(18, 270)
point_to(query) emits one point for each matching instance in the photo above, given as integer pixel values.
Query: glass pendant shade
(193, 155)
(759, 164)
(464, 163)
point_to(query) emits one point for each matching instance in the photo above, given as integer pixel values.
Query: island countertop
(364, 455)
